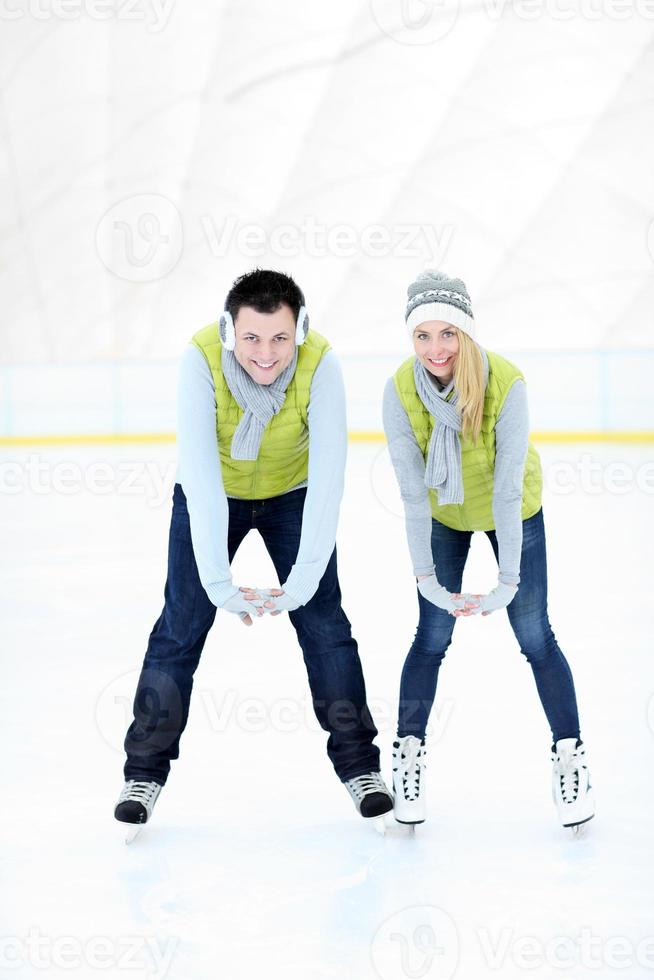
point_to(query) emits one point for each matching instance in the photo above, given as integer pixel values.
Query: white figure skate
(571, 789)
(409, 766)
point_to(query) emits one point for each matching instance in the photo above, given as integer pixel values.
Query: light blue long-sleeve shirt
(511, 445)
(199, 473)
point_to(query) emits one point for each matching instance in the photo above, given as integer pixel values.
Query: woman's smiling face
(436, 344)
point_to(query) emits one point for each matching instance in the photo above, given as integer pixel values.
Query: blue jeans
(163, 694)
(528, 618)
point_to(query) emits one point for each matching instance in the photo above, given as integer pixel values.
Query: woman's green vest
(477, 461)
(283, 459)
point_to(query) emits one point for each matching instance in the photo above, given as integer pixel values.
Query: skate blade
(379, 824)
(410, 827)
(580, 829)
(132, 830)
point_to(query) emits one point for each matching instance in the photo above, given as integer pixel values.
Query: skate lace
(568, 773)
(410, 763)
(370, 782)
(140, 792)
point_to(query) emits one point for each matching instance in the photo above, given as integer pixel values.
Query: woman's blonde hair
(469, 383)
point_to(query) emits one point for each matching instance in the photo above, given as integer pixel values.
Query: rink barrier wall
(580, 396)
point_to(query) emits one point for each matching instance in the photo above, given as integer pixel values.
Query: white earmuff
(226, 329)
(302, 326)
(228, 333)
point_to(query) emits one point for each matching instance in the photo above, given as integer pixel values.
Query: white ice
(255, 862)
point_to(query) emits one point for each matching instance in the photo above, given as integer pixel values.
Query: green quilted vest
(478, 462)
(283, 459)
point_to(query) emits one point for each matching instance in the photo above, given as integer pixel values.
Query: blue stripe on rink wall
(580, 391)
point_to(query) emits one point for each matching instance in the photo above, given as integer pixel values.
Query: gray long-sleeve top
(199, 473)
(511, 445)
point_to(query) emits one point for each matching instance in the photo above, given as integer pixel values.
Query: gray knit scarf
(443, 466)
(259, 403)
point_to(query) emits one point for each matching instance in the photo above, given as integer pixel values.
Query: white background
(152, 152)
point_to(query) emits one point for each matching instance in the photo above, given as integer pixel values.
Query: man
(262, 443)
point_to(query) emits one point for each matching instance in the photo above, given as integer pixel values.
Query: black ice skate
(135, 805)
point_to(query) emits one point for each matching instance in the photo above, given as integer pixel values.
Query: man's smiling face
(265, 342)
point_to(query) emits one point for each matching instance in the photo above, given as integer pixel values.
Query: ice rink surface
(256, 863)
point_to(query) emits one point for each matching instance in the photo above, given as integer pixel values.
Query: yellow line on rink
(89, 439)
(634, 437)
(356, 435)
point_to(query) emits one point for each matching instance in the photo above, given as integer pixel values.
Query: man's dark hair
(264, 290)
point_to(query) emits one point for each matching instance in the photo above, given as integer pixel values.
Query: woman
(457, 426)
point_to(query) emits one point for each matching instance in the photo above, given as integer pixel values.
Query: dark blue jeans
(529, 620)
(163, 694)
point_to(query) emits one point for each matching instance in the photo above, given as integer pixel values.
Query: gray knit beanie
(435, 296)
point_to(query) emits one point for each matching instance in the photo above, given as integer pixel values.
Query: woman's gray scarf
(259, 403)
(443, 466)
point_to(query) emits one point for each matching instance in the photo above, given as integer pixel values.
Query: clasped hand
(499, 598)
(250, 601)
(465, 603)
